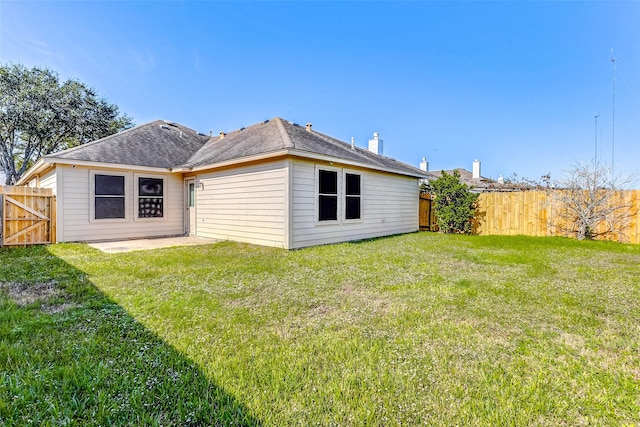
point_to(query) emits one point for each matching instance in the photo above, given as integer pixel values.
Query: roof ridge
(287, 142)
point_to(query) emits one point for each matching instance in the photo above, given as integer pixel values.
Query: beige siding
(389, 205)
(245, 204)
(74, 209)
(48, 180)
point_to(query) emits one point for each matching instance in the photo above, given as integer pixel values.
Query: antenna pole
(595, 152)
(613, 114)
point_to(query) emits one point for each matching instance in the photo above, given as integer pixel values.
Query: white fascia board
(296, 153)
(240, 160)
(105, 165)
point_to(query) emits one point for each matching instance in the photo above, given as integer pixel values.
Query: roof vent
(222, 134)
(308, 125)
(164, 127)
(353, 143)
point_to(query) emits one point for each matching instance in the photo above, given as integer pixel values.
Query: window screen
(150, 197)
(352, 196)
(327, 196)
(109, 196)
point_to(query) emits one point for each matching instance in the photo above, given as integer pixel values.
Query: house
(274, 183)
(473, 179)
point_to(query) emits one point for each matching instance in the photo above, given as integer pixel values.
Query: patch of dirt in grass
(56, 308)
(376, 303)
(24, 294)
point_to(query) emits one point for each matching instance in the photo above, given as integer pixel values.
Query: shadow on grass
(71, 356)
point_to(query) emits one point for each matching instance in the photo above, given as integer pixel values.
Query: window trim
(316, 190)
(344, 196)
(92, 196)
(136, 197)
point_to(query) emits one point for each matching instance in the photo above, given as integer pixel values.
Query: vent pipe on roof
(501, 180)
(353, 143)
(476, 169)
(222, 134)
(424, 165)
(309, 127)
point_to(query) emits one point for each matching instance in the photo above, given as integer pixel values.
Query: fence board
(530, 213)
(427, 219)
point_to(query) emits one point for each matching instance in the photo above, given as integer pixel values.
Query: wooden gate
(28, 216)
(427, 217)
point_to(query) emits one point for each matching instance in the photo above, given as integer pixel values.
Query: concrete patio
(147, 244)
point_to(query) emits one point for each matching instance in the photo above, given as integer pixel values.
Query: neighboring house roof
(466, 177)
(162, 144)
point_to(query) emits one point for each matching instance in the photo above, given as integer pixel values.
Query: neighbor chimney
(222, 134)
(375, 144)
(476, 169)
(424, 165)
(309, 127)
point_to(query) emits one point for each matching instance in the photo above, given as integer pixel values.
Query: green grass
(416, 329)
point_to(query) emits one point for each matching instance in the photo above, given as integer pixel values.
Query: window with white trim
(109, 196)
(150, 197)
(327, 195)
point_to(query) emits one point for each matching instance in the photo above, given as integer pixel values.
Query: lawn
(420, 329)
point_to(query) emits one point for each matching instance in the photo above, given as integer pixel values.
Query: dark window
(109, 207)
(352, 196)
(150, 187)
(328, 182)
(109, 185)
(150, 200)
(109, 196)
(328, 196)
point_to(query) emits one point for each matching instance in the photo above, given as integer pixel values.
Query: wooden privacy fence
(28, 216)
(531, 213)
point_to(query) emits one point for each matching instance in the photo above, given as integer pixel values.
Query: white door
(190, 207)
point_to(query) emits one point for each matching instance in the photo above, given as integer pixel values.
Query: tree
(588, 202)
(454, 203)
(40, 115)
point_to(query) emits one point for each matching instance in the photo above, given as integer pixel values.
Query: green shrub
(454, 204)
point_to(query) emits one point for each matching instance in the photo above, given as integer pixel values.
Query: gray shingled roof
(157, 144)
(169, 145)
(277, 135)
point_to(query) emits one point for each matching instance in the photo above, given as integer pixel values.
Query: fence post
(1, 217)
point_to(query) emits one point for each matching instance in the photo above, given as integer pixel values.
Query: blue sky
(514, 84)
